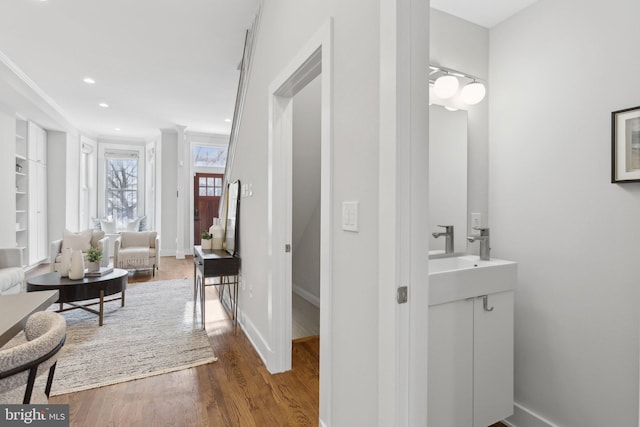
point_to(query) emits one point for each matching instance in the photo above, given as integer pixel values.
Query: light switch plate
(476, 220)
(350, 216)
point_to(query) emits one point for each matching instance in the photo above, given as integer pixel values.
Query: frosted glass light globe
(446, 86)
(473, 93)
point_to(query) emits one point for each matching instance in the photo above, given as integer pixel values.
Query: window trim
(123, 151)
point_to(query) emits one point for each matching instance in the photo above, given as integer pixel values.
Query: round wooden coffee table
(72, 291)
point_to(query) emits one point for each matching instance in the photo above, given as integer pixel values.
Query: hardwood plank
(235, 391)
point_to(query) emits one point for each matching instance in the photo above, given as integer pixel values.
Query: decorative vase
(76, 271)
(206, 244)
(93, 266)
(217, 231)
(65, 262)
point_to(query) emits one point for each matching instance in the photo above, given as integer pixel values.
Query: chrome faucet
(448, 233)
(483, 238)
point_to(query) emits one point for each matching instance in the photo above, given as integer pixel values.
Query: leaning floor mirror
(232, 229)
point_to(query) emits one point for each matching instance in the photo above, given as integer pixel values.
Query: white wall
(306, 192)
(558, 70)
(461, 45)
(8, 180)
(284, 29)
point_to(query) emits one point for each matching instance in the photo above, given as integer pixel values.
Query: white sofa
(11, 271)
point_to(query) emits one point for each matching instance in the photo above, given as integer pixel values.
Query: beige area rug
(154, 333)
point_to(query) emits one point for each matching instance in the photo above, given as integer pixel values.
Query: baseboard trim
(255, 338)
(524, 417)
(306, 295)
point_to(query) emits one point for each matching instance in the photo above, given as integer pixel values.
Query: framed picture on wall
(625, 145)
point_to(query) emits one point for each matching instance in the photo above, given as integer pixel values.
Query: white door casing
(314, 59)
(403, 210)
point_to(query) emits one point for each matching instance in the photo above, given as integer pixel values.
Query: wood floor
(305, 318)
(235, 391)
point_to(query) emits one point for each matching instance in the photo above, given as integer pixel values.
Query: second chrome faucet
(448, 233)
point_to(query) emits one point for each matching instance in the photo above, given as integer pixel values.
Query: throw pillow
(96, 236)
(143, 223)
(107, 226)
(134, 224)
(96, 224)
(77, 241)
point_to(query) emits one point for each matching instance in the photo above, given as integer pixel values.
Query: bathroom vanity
(470, 341)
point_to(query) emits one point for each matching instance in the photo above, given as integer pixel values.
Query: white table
(16, 309)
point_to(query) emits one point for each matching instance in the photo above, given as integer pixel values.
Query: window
(209, 186)
(209, 156)
(121, 195)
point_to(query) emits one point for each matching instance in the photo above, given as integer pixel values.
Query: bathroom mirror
(447, 177)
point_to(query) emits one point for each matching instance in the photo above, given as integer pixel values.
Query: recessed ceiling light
(117, 129)
(227, 120)
(104, 105)
(89, 81)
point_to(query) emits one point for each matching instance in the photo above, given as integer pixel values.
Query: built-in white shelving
(22, 188)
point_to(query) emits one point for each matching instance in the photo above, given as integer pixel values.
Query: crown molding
(40, 94)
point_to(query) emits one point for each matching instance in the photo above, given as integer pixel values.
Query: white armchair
(79, 241)
(11, 271)
(135, 250)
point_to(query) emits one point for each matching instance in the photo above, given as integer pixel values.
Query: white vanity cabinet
(471, 361)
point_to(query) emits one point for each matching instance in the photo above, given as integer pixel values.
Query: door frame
(314, 59)
(194, 195)
(199, 139)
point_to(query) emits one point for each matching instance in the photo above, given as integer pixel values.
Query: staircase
(243, 82)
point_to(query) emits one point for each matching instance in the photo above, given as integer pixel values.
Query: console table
(216, 263)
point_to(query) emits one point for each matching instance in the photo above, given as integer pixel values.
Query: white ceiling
(486, 13)
(157, 63)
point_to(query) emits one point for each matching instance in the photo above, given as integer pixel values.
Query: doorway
(313, 60)
(207, 190)
(306, 185)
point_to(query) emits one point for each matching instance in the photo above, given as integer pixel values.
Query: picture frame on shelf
(625, 145)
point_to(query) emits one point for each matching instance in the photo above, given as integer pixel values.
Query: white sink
(468, 276)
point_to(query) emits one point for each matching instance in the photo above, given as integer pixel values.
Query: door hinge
(287, 248)
(402, 294)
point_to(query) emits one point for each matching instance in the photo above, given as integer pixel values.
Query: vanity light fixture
(89, 81)
(473, 92)
(104, 105)
(444, 87)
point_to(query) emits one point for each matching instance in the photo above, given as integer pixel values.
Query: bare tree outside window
(122, 190)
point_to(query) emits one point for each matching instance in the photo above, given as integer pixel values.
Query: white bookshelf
(22, 188)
